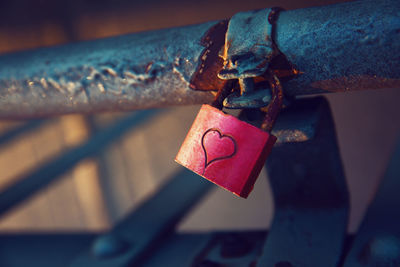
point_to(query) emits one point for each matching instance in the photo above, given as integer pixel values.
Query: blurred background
(101, 190)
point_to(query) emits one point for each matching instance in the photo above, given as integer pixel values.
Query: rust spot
(282, 68)
(205, 78)
(148, 67)
(287, 73)
(226, 48)
(210, 63)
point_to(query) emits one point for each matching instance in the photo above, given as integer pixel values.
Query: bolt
(107, 246)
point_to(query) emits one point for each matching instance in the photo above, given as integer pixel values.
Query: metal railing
(337, 48)
(357, 48)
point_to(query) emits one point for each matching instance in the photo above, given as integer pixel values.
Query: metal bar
(310, 193)
(171, 250)
(16, 132)
(343, 47)
(349, 46)
(140, 231)
(136, 71)
(42, 249)
(377, 242)
(43, 175)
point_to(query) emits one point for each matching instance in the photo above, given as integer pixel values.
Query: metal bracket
(310, 194)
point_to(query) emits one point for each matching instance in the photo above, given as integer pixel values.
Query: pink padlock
(225, 150)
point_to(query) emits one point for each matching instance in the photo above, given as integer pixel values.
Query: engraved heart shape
(225, 143)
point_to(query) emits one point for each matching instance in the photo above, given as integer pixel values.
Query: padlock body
(225, 150)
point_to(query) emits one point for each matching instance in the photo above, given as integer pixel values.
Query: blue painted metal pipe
(343, 47)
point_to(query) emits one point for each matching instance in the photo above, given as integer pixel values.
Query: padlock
(227, 151)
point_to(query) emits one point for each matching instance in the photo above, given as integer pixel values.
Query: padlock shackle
(274, 106)
(223, 93)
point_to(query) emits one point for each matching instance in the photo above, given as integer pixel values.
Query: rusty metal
(256, 99)
(247, 54)
(275, 105)
(210, 62)
(248, 47)
(343, 47)
(137, 71)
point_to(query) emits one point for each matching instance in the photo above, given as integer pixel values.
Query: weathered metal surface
(136, 71)
(343, 47)
(310, 195)
(256, 99)
(248, 47)
(295, 127)
(150, 222)
(377, 242)
(290, 127)
(29, 184)
(210, 63)
(247, 53)
(275, 105)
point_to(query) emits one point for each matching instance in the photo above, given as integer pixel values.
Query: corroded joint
(249, 47)
(247, 53)
(241, 48)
